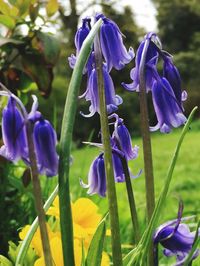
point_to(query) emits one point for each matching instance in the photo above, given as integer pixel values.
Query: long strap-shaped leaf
(66, 223)
(95, 250)
(138, 256)
(27, 240)
(194, 246)
(68, 122)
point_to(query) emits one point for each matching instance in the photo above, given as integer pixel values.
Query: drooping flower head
(96, 177)
(80, 36)
(45, 142)
(176, 238)
(14, 121)
(122, 138)
(82, 33)
(91, 94)
(169, 113)
(166, 90)
(150, 40)
(113, 49)
(114, 55)
(122, 151)
(171, 73)
(13, 133)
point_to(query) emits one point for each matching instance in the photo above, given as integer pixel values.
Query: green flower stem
(148, 163)
(194, 246)
(29, 236)
(146, 239)
(112, 197)
(146, 139)
(38, 197)
(137, 256)
(131, 199)
(65, 147)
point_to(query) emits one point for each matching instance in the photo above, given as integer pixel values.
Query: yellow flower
(57, 256)
(105, 259)
(85, 221)
(85, 217)
(36, 242)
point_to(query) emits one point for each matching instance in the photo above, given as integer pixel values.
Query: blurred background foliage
(36, 37)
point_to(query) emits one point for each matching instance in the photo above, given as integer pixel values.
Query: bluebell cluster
(15, 137)
(115, 56)
(167, 94)
(167, 98)
(166, 90)
(122, 149)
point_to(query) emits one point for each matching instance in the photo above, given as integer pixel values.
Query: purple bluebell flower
(171, 73)
(119, 174)
(176, 238)
(80, 36)
(96, 177)
(13, 133)
(82, 33)
(122, 138)
(112, 45)
(45, 144)
(91, 94)
(151, 58)
(168, 111)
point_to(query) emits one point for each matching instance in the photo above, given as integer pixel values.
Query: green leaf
(7, 21)
(127, 260)
(24, 247)
(40, 72)
(48, 46)
(95, 250)
(4, 41)
(83, 263)
(194, 246)
(23, 6)
(142, 248)
(33, 11)
(52, 7)
(4, 261)
(12, 252)
(5, 8)
(65, 145)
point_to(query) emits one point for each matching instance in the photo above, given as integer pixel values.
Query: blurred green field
(185, 184)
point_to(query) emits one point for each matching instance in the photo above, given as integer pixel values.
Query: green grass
(185, 183)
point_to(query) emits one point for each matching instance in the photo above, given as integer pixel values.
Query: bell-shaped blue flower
(122, 138)
(177, 240)
(80, 36)
(168, 111)
(112, 45)
(91, 94)
(45, 145)
(13, 133)
(119, 174)
(82, 33)
(171, 73)
(151, 58)
(96, 177)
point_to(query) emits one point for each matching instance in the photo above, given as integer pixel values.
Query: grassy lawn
(185, 184)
